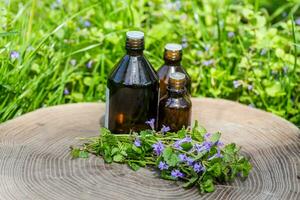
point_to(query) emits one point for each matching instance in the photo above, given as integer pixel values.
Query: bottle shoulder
(181, 102)
(133, 70)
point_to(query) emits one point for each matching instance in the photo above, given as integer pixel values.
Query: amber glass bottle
(172, 58)
(175, 107)
(132, 94)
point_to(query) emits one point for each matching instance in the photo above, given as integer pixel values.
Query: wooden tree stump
(35, 161)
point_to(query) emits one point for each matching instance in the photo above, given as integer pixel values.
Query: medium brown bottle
(172, 58)
(175, 107)
(132, 94)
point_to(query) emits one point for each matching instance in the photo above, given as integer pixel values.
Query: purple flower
(236, 83)
(89, 64)
(251, 105)
(137, 142)
(14, 55)
(263, 52)
(207, 136)
(158, 148)
(208, 62)
(250, 87)
(297, 21)
(182, 157)
(175, 173)
(73, 62)
(87, 23)
(162, 165)
(207, 47)
(66, 91)
(199, 53)
(190, 161)
(205, 146)
(165, 129)
(217, 155)
(151, 123)
(177, 144)
(285, 69)
(198, 167)
(219, 143)
(230, 34)
(184, 42)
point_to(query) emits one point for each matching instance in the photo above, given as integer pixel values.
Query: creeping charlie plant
(191, 155)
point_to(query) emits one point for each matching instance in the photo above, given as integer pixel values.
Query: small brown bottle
(175, 107)
(132, 93)
(172, 57)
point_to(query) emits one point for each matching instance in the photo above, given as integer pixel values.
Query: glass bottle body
(132, 94)
(175, 109)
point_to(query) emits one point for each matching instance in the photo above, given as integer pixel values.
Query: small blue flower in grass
(137, 142)
(165, 129)
(184, 42)
(175, 173)
(236, 84)
(87, 23)
(73, 62)
(198, 167)
(250, 87)
(158, 148)
(208, 62)
(66, 91)
(230, 34)
(263, 52)
(162, 165)
(297, 21)
(14, 55)
(207, 47)
(89, 64)
(285, 69)
(151, 123)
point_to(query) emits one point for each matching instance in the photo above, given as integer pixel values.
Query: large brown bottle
(172, 58)
(175, 107)
(132, 89)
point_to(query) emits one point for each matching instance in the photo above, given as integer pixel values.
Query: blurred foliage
(59, 51)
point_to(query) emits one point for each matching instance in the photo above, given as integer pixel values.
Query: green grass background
(246, 51)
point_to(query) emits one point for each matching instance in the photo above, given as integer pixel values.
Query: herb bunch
(192, 155)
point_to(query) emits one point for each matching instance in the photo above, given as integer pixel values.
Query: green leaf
(186, 146)
(83, 154)
(133, 166)
(114, 151)
(75, 153)
(118, 158)
(207, 186)
(274, 90)
(88, 81)
(136, 149)
(181, 133)
(215, 137)
(170, 157)
(191, 182)
(215, 170)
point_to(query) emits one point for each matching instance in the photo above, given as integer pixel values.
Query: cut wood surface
(35, 161)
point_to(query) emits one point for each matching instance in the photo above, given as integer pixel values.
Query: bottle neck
(176, 93)
(134, 52)
(173, 62)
